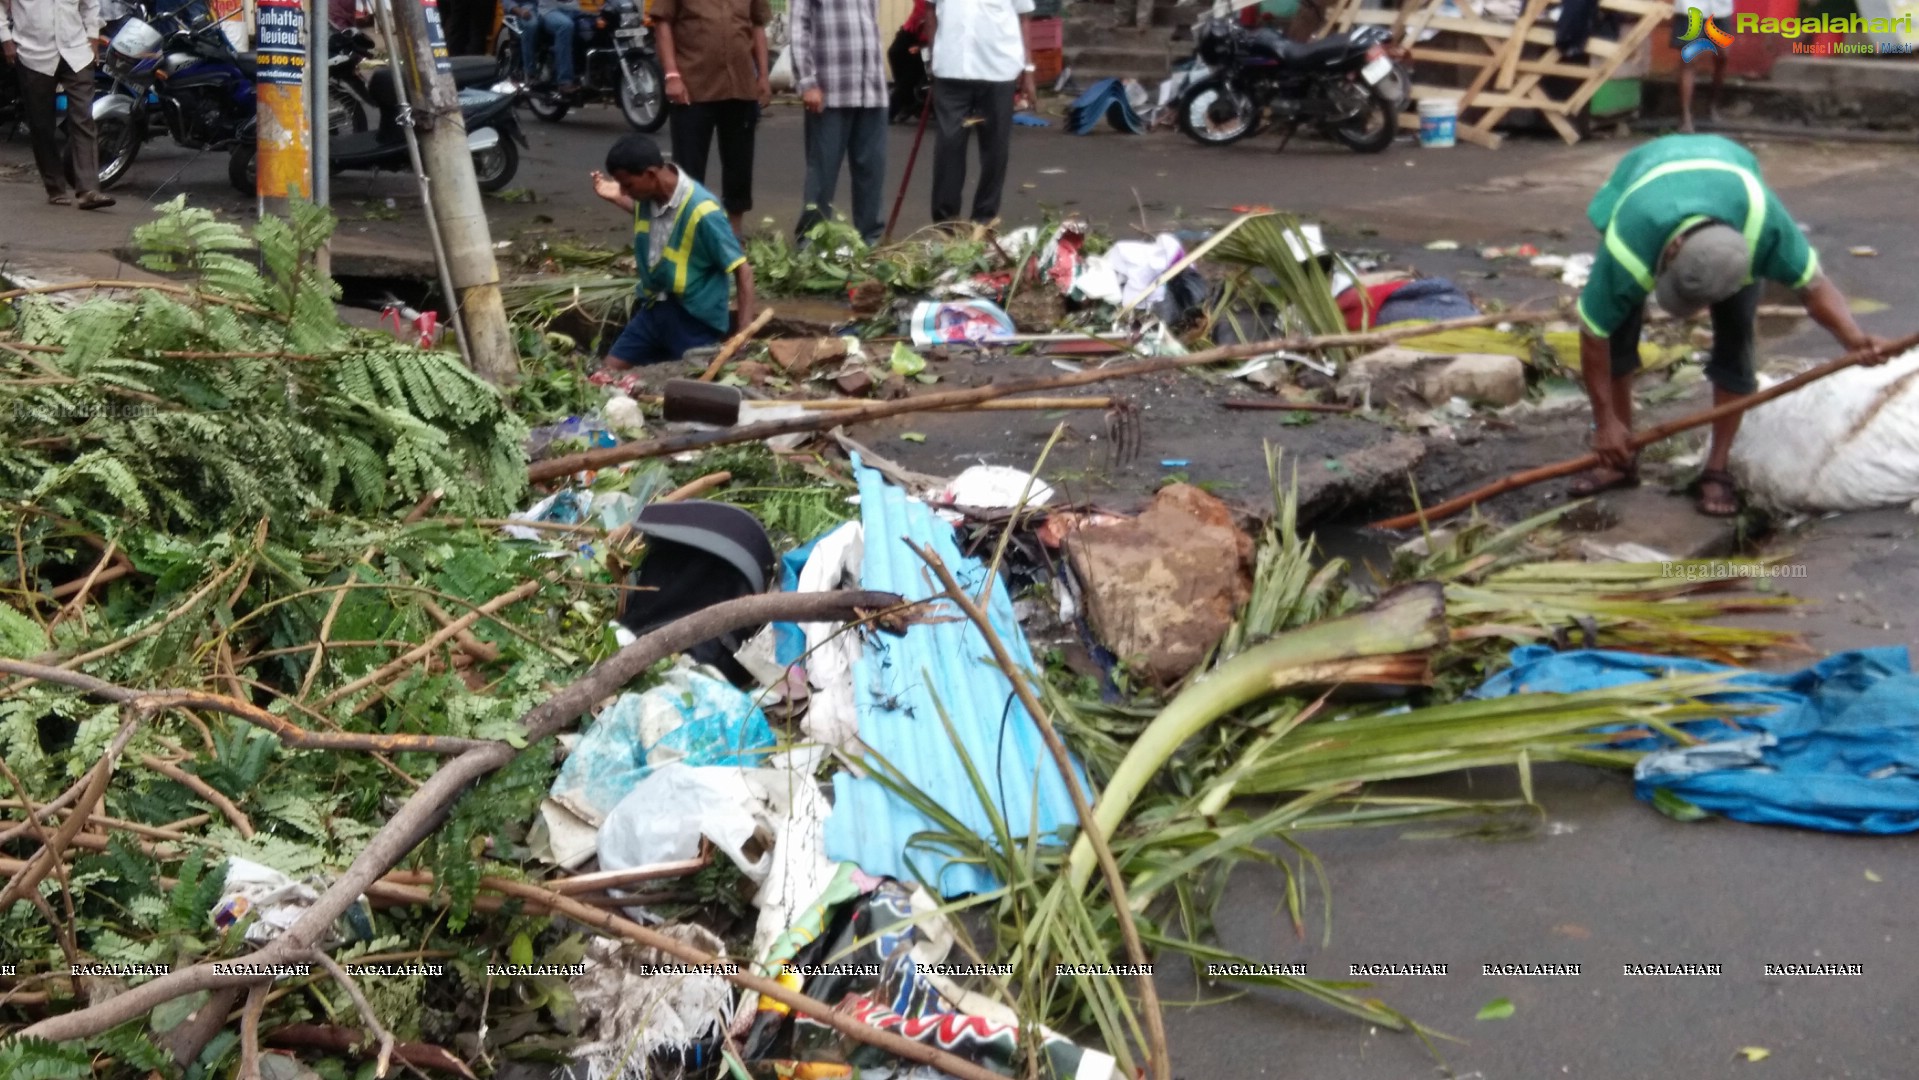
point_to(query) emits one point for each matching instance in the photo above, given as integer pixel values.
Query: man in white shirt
(1721, 13)
(979, 60)
(51, 44)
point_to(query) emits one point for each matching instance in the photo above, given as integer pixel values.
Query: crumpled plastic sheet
(959, 322)
(691, 718)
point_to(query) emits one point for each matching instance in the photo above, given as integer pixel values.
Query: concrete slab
(1650, 523)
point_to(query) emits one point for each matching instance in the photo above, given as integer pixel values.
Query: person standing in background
(979, 62)
(841, 77)
(1721, 13)
(715, 60)
(53, 44)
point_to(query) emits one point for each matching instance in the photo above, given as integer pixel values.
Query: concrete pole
(453, 195)
(319, 94)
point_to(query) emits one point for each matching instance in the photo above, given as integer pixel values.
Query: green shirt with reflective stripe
(700, 252)
(1664, 188)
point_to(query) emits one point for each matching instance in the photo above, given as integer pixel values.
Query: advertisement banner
(285, 167)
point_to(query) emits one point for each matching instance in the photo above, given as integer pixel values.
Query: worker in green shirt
(684, 249)
(1687, 220)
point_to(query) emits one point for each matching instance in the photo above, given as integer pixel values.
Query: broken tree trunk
(1663, 431)
(453, 195)
(1386, 643)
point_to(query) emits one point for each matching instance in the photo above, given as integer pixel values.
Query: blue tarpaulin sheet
(1838, 750)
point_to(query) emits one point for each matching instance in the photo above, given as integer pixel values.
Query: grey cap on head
(1711, 265)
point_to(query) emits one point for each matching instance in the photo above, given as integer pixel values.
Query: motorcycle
(493, 134)
(1350, 86)
(616, 61)
(348, 100)
(184, 70)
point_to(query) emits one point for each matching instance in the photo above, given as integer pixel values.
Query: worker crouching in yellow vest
(684, 248)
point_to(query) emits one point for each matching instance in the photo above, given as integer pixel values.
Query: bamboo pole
(1664, 431)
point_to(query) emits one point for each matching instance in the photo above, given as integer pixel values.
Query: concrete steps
(1097, 47)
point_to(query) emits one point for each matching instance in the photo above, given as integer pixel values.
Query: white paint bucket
(1438, 118)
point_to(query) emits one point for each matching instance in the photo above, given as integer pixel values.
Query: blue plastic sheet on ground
(903, 682)
(690, 717)
(1104, 100)
(1838, 752)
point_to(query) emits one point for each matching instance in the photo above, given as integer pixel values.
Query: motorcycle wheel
(494, 168)
(119, 148)
(643, 96)
(243, 170)
(346, 113)
(548, 105)
(1375, 128)
(507, 55)
(1200, 105)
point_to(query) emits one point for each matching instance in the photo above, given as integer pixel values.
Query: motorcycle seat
(248, 63)
(481, 71)
(1271, 45)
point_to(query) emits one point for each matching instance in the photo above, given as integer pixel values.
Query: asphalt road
(1605, 881)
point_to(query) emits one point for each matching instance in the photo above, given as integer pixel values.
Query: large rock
(1407, 377)
(1162, 588)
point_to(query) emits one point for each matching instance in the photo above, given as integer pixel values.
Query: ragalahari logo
(1698, 23)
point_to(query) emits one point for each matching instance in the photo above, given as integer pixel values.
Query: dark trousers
(79, 172)
(694, 127)
(1735, 331)
(954, 102)
(858, 137)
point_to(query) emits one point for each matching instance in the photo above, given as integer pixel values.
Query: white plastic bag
(1847, 442)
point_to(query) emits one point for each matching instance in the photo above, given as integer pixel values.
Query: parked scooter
(492, 133)
(614, 59)
(1349, 85)
(349, 102)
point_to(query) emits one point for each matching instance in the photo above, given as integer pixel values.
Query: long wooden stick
(735, 343)
(1663, 431)
(555, 468)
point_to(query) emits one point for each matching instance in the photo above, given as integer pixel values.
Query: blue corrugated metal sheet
(898, 680)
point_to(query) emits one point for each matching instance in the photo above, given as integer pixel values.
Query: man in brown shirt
(714, 53)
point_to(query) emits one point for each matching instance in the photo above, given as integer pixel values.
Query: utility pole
(453, 195)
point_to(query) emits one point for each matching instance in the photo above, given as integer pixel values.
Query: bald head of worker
(1701, 267)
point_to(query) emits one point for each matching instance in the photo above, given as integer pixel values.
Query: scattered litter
(1174, 463)
(691, 718)
(634, 1007)
(1517, 251)
(1443, 245)
(952, 322)
(1052, 172)
(1549, 262)
(1754, 1053)
(1874, 878)
(994, 487)
(1864, 252)
(1578, 268)
(275, 900)
(1026, 119)
(912, 437)
(1111, 100)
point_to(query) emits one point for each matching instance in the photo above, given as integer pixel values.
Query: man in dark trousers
(1687, 219)
(841, 77)
(714, 56)
(979, 62)
(52, 44)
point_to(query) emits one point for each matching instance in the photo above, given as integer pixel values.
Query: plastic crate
(1044, 34)
(1047, 64)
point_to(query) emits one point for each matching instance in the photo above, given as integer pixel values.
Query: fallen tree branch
(472, 646)
(136, 286)
(1161, 1057)
(425, 648)
(291, 735)
(381, 1035)
(203, 789)
(1663, 431)
(555, 468)
(29, 876)
(427, 807)
(345, 1041)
